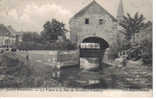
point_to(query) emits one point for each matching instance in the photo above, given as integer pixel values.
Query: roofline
(113, 18)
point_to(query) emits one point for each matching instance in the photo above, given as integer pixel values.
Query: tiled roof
(8, 31)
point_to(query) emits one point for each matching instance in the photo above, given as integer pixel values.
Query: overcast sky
(30, 15)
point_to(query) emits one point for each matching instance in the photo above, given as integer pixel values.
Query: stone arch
(95, 39)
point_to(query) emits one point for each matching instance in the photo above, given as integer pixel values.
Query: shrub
(16, 73)
(147, 54)
(117, 47)
(67, 45)
(30, 45)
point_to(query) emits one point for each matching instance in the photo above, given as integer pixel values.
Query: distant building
(8, 36)
(18, 35)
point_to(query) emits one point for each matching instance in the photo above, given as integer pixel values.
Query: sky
(30, 15)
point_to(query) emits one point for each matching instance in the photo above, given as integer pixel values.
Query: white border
(154, 48)
(154, 62)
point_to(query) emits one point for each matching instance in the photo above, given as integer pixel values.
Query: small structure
(8, 36)
(7, 39)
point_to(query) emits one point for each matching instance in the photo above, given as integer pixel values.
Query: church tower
(120, 11)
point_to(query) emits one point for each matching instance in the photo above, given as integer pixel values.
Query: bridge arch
(95, 39)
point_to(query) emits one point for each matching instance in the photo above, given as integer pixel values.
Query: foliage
(147, 54)
(132, 25)
(31, 36)
(67, 45)
(53, 29)
(16, 73)
(134, 50)
(117, 47)
(48, 39)
(31, 45)
(134, 53)
(143, 49)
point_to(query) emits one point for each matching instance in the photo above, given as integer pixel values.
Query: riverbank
(130, 77)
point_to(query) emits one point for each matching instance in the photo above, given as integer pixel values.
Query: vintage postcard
(96, 48)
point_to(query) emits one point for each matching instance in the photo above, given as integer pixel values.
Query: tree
(146, 44)
(31, 41)
(132, 25)
(31, 36)
(46, 40)
(53, 29)
(141, 48)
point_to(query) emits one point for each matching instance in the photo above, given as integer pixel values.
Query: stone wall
(46, 57)
(79, 30)
(69, 58)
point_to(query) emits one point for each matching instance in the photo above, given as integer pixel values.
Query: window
(100, 21)
(86, 21)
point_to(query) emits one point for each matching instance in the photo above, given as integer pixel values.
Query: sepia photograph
(93, 47)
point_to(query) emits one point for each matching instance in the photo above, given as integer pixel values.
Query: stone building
(94, 21)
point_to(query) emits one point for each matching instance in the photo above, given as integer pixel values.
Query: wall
(69, 58)
(79, 30)
(44, 57)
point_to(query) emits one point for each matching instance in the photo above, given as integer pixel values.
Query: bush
(16, 73)
(117, 47)
(142, 51)
(30, 45)
(67, 45)
(147, 54)
(134, 53)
